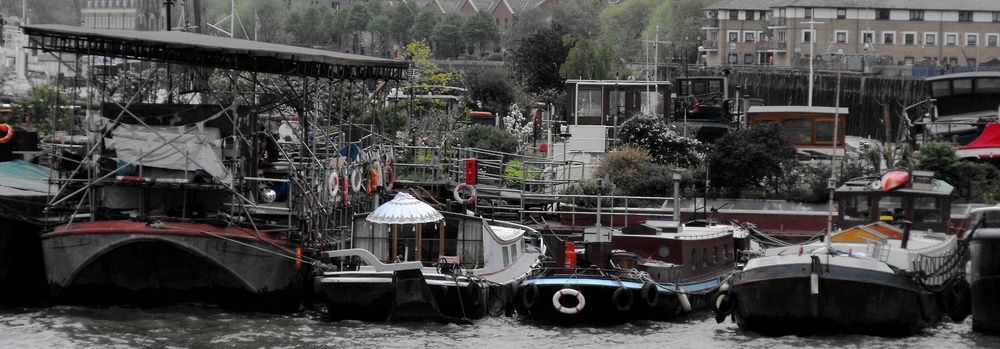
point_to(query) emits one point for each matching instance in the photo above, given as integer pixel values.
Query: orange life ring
(389, 176)
(372, 180)
(10, 133)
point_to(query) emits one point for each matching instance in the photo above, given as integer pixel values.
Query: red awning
(990, 138)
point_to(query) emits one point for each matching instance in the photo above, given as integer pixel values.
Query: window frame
(971, 43)
(734, 15)
(917, 15)
(808, 12)
(965, 16)
(752, 38)
(847, 36)
(953, 35)
(879, 12)
(932, 35)
(812, 35)
(995, 37)
(914, 41)
(891, 34)
(841, 13)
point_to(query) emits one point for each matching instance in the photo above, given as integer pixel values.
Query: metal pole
(832, 183)
(812, 46)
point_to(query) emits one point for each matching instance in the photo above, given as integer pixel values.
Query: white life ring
(333, 185)
(580, 301)
(356, 184)
(458, 190)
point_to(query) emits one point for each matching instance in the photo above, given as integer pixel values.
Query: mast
(832, 182)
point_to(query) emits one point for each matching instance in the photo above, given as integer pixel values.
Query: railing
(608, 207)
(710, 22)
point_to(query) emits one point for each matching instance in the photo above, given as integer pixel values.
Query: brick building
(898, 32)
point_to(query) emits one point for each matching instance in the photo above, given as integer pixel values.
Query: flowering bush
(664, 145)
(515, 123)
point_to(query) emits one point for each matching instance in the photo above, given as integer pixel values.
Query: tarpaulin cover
(22, 178)
(990, 138)
(171, 147)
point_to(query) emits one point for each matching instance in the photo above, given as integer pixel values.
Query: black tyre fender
(475, 292)
(723, 304)
(650, 294)
(529, 296)
(623, 299)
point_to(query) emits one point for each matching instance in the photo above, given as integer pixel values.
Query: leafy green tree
(579, 19)
(487, 137)
(537, 60)
(973, 181)
(354, 19)
(379, 27)
(679, 22)
(492, 90)
(448, 35)
(588, 60)
(269, 17)
(423, 25)
(402, 17)
(481, 29)
(310, 25)
(39, 106)
(750, 158)
(666, 146)
(622, 26)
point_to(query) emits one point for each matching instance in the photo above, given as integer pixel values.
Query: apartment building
(126, 14)
(898, 32)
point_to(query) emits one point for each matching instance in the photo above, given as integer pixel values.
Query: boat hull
(129, 262)
(385, 297)
(985, 282)
(780, 299)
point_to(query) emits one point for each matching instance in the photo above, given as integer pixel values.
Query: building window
(781, 36)
(734, 15)
(971, 39)
(965, 16)
(733, 58)
(996, 16)
(971, 62)
(930, 39)
(749, 37)
(809, 12)
(888, 38)
(841, 36)
(991, 39)
(762, 14)
(882, 14)
(748, 59)
(734, 36)
(907, 60)
(841, 13)
(506, 23)
(807, 36)
(750, 15)
(916, 15)
(951, 39)
(868, 37)
(909, 38)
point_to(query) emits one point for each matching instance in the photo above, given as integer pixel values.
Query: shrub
(487, 137)
(589, 187)
(664, 145)
(751, 158)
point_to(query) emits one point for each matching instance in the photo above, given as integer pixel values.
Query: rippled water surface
(195, 326)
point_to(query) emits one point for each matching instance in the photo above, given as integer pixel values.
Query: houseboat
(984, 268)
(963, 104)
(703, 109)
(809, 129)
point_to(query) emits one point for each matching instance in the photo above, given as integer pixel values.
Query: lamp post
(812, 45)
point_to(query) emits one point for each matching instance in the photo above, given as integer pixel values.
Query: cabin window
(824, 131)
(725, 251)
(589, 102)
(798, 130)
(715, 253)
(941, 88)
(650, 103)
(704, 256)
(988, 85)
(926, 210)
(856, 208)
(617, 103)
(513, 251)
(891, 206)
(962, 86)
(694, 258)
(986, 219)
(506, 256)
(715, 86)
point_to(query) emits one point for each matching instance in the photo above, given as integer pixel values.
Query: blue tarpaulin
(22, 178)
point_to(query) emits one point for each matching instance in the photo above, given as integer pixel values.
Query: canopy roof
(404, 209)
(212, 52)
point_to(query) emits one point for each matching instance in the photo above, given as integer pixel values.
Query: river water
(188, 326)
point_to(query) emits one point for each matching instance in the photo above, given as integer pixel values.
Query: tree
(402, 18)
(487, 137)
(354, 20)
(537, 60)
(750, 158)
(310, 25)
(588, 60)
(492, 90)
(448, 35)
(579, 19)
(39, 106)
(666, 146)
(973, 181)
(481, 29)
(679, 22)
(423, 25)
(622, 26)
(269, 17)
(379, 27)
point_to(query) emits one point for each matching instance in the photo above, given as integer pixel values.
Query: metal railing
(608, 208)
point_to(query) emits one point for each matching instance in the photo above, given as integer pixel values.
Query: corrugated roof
(213, 51)
(747, 4)
(22, 178)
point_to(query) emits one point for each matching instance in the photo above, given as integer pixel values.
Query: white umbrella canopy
(404, 209)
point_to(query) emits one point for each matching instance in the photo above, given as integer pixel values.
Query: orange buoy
(9, 133)
(298, 257)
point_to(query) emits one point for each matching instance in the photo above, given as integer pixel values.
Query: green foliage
(311, 25)
(40, 105)
(487, 137)
(448, 35)
(271, 15)
(537, 59)
(632, 171)
(973, 181)
(402, 18)
(492, 90)
(588, 60)
(515, 172)
(423, 25)
(480, 28)
(679, 22)
(666, 146)
(579, 19)
(589, 187)
(622, 26)
(750, 158)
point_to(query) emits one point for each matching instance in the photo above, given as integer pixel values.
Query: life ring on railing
(388, 176)
(10, 133)
(372, 186)
(458, 191)
(356, 180)
(343, 188)
(623, 299)
(580, 301)
(333, 185)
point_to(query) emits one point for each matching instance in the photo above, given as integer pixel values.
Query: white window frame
(945, 42)
(861, 37)
(882, 37)
(752, 33)
(729, 34)
(971, 35)
(762, 37)
(996, 38)
(916, 38)
(847, 36)
(812, 36)
(934, 34)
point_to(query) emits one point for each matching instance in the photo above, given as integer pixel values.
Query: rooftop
(964, 5)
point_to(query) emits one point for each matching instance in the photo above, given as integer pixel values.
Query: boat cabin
(810, 129)
(611, 102)
(896, 196)
(963, 103)
(702, 106)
